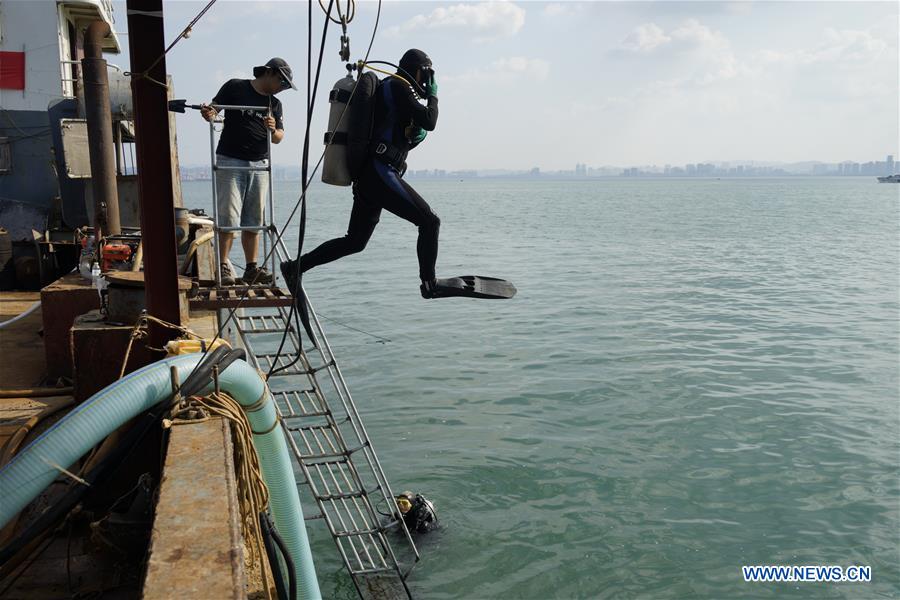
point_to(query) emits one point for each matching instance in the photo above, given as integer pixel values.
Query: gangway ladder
(330, 444)
(269, 210)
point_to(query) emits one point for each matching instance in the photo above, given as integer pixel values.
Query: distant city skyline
(748, 168)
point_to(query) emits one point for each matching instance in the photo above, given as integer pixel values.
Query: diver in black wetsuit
(400, 125)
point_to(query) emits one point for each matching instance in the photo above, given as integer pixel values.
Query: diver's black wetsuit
(381, 185)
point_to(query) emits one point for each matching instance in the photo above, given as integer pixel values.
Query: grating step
(272, 322)
(346, 534)
(281, 361)
(341, 496)
(372, 571)
(264, 330)
(300, 403)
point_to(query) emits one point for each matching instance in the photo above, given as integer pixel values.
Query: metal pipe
(37, 392)
(269, 237)
(154, 169)
(215, 203)
(99, 129)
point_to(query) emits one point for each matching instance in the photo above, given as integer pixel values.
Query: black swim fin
(470, 286)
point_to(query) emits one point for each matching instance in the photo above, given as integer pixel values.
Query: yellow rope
(140, 331)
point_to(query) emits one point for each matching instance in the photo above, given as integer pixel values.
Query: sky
(552, 84)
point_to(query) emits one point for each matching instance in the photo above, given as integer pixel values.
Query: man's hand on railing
(208, 112)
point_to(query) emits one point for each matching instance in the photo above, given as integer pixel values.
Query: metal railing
(333, 450)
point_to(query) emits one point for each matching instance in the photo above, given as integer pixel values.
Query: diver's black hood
(414, 59)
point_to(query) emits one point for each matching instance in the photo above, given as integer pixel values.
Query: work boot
(289, 272)
(227, 274)
(254, 275)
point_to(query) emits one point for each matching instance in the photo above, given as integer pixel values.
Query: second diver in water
(400, 124)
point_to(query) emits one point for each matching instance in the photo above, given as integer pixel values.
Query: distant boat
(889, 179)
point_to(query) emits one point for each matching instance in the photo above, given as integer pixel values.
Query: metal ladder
(268, 212)
(332, 448)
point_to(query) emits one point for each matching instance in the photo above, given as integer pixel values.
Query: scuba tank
(350, 123)
(336, 166)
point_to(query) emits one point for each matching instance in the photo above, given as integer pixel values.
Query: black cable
(298, 273)
(299, 307)
(288, 561)
(265, 527)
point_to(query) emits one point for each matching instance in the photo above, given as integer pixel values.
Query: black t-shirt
(244, 134)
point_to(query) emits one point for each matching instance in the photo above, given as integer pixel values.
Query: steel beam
(146, 45)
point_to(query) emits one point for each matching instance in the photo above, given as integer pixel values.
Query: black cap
(414, 59)
(280, 65)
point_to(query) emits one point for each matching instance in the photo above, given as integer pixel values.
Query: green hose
(39, 463)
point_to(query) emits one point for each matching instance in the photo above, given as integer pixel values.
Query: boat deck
(22, 340)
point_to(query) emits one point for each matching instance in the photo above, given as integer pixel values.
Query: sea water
(696, 374)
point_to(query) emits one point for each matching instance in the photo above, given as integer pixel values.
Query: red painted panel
(12, 70)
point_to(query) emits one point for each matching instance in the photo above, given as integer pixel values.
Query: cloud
(844, 46)
(645, 38)
(697, 70)
(845, 65)
(701, 55)
(691, 35)
(685, 9)
(502, 70)
(485, 21)
(563, 9)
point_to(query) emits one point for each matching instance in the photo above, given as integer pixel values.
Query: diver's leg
(363, 219)
(401, 199)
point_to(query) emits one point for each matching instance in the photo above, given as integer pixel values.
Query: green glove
(416, 135)
(431, 87)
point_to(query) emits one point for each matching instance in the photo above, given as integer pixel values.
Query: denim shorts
(241, 194)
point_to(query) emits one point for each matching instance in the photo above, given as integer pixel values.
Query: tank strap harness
(390, 155)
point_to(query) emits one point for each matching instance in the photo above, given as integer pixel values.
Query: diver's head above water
(417, 64)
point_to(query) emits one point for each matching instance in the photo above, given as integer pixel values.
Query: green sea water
(695, 375)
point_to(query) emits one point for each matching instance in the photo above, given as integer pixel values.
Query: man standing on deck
(243, 143)
(400, 125)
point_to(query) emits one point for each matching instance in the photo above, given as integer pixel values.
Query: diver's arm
(423, 116)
